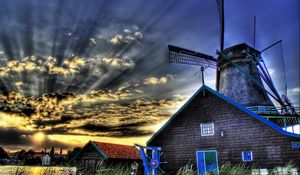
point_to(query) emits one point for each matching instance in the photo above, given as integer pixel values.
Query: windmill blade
(220, 4)
(184, 56)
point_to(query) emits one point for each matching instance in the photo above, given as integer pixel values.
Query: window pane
(207, 129)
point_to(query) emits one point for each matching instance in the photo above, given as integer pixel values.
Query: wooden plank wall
(182, 138)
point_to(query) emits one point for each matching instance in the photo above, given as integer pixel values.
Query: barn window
(247, 156)
(207, 129)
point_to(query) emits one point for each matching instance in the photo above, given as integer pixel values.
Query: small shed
(94, 154)
(211, 129)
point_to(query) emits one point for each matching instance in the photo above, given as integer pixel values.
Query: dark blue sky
(65, 50)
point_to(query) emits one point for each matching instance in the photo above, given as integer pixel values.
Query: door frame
(207, 150)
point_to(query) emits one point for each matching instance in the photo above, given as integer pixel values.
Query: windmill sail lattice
(184, 56)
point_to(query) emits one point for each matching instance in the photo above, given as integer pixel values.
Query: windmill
(240, 73)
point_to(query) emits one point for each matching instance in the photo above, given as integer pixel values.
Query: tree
(52, 151)
(3, 153)
(72, 153)
(30, 152)
(21, 152)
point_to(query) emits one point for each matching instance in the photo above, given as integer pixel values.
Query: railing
(272, 110)
(286, 118)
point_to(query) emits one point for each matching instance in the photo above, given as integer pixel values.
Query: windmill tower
(240, 73)
(232, 80)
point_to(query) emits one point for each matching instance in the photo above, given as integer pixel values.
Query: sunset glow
(39, 137)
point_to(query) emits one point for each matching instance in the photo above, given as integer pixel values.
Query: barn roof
(118, 151)
(113, 151)
(228, 100)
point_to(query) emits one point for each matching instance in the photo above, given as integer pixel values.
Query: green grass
(229, 169)
(189, 169)
(288, 169)
(116, 170)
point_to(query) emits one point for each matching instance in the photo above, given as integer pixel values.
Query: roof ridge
(111, 143)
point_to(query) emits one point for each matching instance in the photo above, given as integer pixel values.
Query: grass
(229, 169)
(115, 170)
(19, 171)
(36, 170)
(189, 169)
(288, 169)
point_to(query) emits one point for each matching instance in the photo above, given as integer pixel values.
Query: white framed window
(207, 129)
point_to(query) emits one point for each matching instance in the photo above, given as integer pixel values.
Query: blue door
(207, 162)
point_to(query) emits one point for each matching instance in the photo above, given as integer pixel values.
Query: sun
(39, 137)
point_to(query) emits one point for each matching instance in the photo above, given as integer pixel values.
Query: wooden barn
(211, 129)
(95, 154)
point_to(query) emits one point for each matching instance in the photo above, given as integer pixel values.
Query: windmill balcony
(287, 118)
(267, 110)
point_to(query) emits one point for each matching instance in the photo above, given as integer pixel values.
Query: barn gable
(96, 154)
(228, 100)
(236, 129)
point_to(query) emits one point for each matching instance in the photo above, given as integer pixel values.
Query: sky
(73, 71)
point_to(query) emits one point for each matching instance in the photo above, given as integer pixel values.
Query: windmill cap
(240, 47)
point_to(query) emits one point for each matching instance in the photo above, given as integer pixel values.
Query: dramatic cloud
(98, 113)
(127, 36)
(33, 65)
(295, 91)
(158, 80)
(16, 139)
(19, 84)
(118, 63)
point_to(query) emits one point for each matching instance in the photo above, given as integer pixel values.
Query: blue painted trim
(295, 144)
(258, 117)
(205, 151)
(201, 169)
(243, 156)
(203, 88)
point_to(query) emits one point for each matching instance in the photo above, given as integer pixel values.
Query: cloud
(19, 84)
(17, 139)
(104, 112)
(158, 80)
(116, 39)
(120, 130)
(118, 63)
(49, 65)
(13, 136)
(127, 36)
(28, 64)
(295, 91)
(294, 96)
(112, 62)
